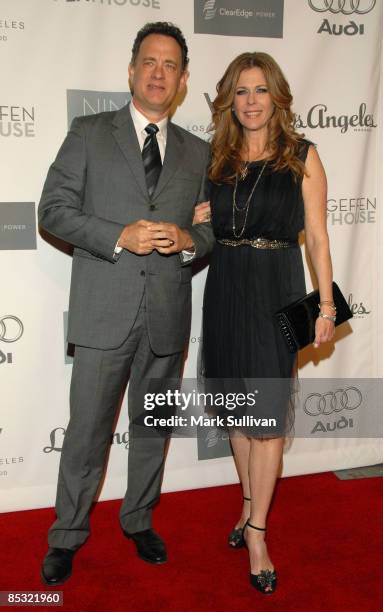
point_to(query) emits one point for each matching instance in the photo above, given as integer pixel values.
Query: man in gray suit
(122, 191)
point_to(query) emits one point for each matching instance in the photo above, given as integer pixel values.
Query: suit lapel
(126, 137)
(173, 156)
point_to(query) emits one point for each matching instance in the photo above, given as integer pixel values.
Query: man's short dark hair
(166, 29)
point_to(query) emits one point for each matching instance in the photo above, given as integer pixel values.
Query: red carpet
(324, 536)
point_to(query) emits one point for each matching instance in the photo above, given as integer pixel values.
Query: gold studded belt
(259, 243)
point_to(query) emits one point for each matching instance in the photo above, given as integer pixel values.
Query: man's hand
(168, 238)
(137, 238)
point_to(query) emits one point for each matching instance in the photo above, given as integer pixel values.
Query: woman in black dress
(267, 184)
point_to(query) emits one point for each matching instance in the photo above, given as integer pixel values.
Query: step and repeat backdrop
(64, 58)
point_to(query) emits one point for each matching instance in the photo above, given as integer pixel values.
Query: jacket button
(153, 207)
(142, 272)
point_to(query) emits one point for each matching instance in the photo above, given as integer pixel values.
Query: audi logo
(346, 7)
(11, 328)
(332, 401)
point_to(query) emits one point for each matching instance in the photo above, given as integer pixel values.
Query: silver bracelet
(326, 316)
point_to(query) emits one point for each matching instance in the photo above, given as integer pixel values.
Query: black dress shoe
(57, 566)
(149, 546)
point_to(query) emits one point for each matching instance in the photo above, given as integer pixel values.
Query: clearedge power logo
(262, 18)
(17, 226)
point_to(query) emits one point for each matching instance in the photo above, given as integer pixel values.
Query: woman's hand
(324, 328)
(202, 213)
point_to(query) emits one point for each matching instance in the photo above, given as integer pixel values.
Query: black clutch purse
(297, 320)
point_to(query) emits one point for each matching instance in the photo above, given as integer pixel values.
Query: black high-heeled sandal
(235, 539)
(266, 580)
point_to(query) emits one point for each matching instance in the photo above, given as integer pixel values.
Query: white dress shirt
(140, 122)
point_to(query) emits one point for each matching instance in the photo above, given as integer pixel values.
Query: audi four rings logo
(11, 328)
(346, 7)
(333, 401)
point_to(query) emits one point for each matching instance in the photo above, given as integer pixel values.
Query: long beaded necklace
(246, 207)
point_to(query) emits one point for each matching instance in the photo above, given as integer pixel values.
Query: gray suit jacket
(94, 188)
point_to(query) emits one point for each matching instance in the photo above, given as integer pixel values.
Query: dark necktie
(151, 158)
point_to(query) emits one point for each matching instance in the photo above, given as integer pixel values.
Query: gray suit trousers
(98, 379)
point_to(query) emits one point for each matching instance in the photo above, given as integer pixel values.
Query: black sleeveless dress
(246, 285)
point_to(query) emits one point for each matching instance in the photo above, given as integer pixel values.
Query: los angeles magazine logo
(9, 27)
(322, 117)
(6, 462)
(318, 116)
(56, 439)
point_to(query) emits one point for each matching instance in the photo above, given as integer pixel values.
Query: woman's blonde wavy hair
(228, 139)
